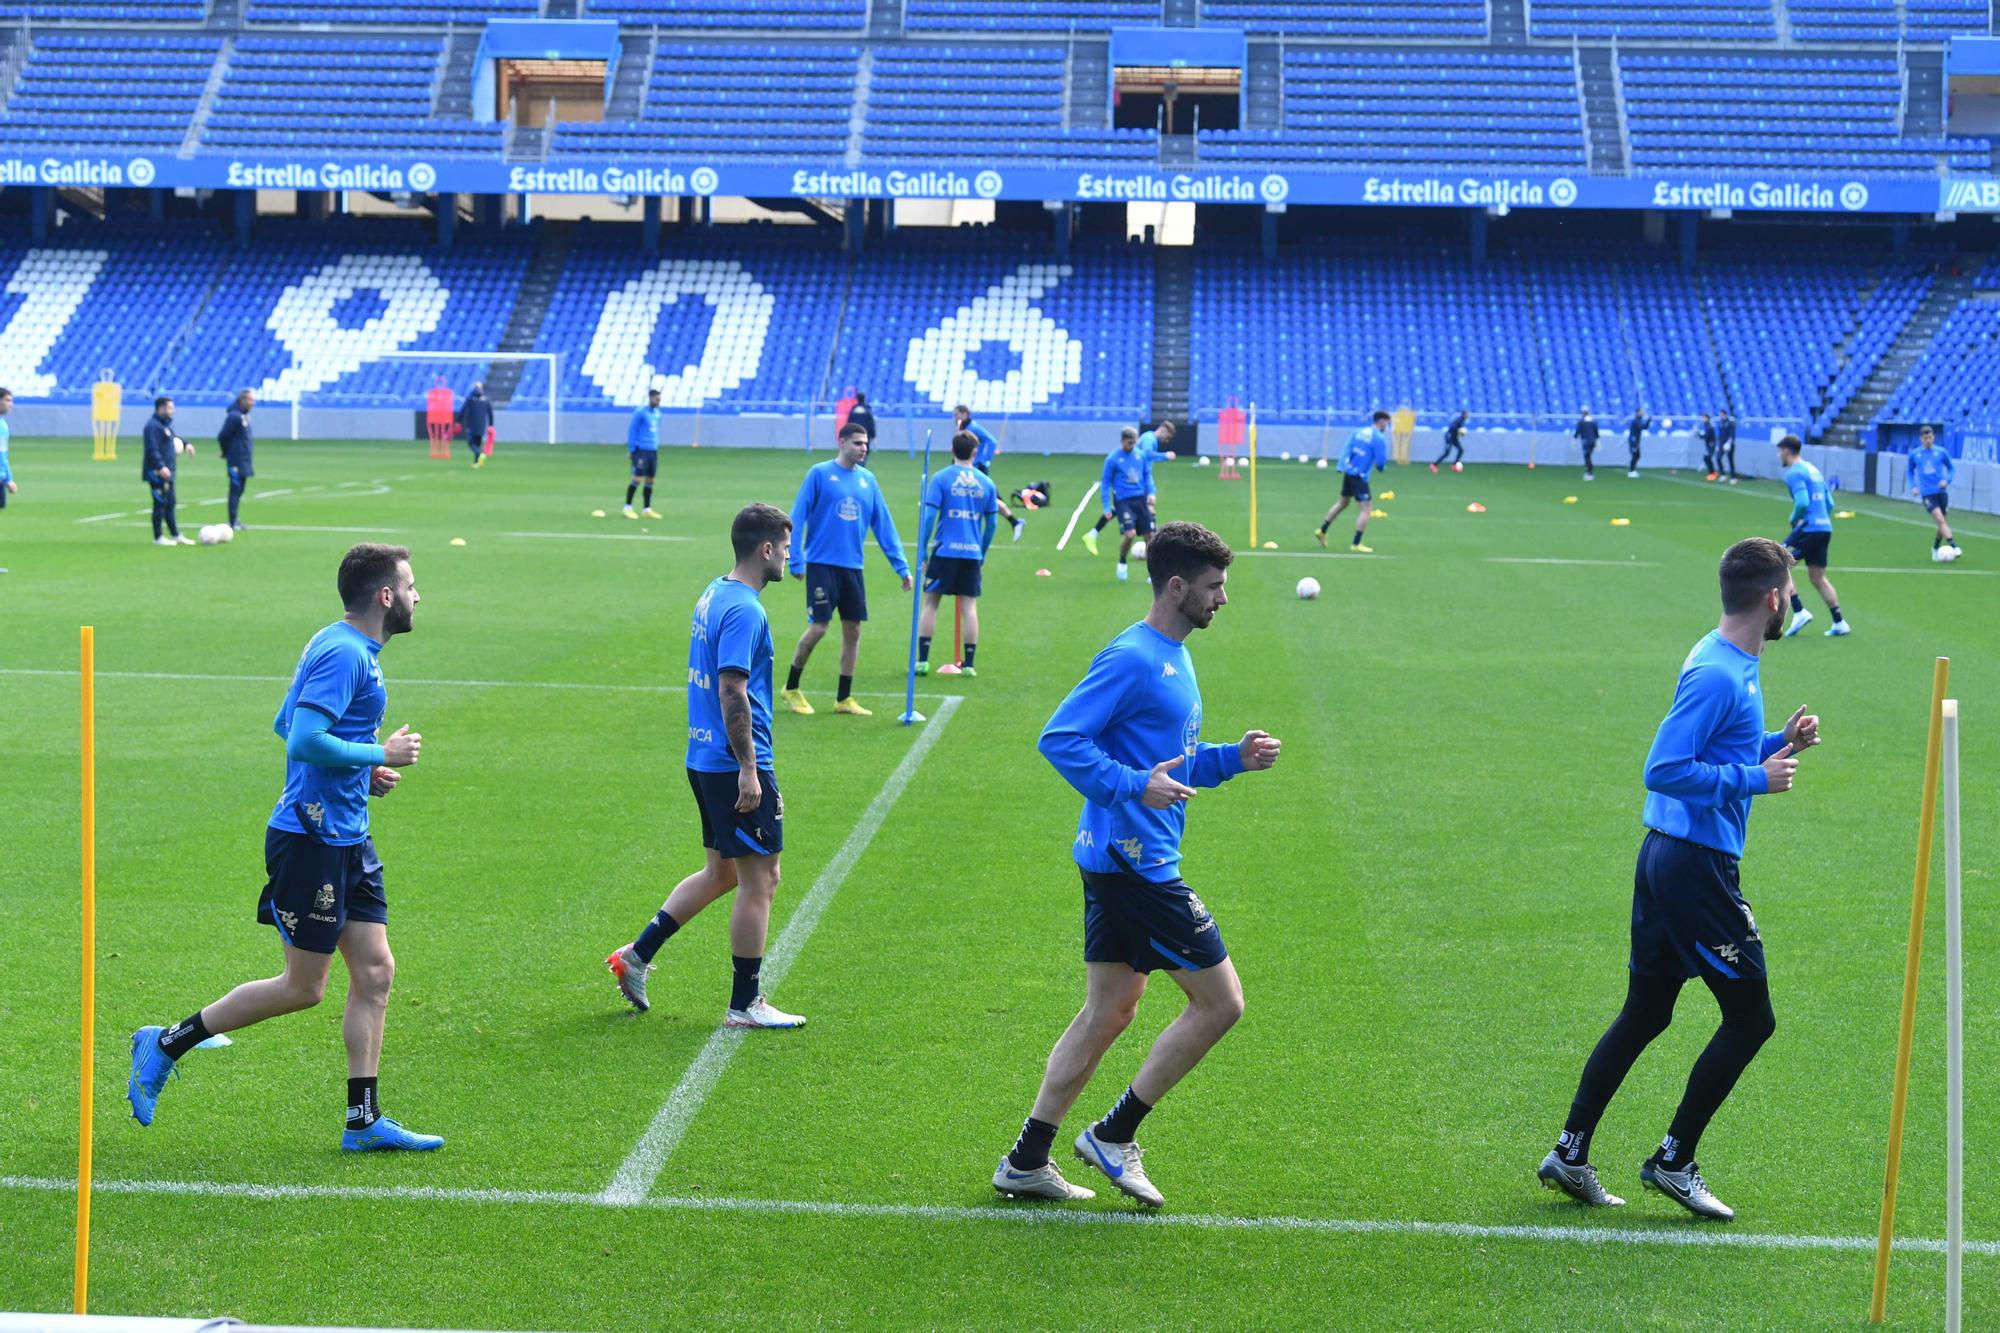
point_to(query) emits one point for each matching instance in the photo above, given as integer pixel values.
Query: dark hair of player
(9, 393)
(964, 445)
(1750, 569)
(1790, 445)
(1182, 550)
(367, 569)
(1165, 426)
(964, 411)
(860, 398)
(1380, 416)
(853, 430)
(756, 524)
(161, 402)
(1128, 433)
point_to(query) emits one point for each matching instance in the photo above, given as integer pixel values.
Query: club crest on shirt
(1191, 732)
(324, 902)
(850, 509)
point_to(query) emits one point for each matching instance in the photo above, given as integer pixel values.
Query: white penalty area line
(599, 536)
(1905, 569)
(1019, 1214)
(636, 1175)
(612, 687)
(1554, 560)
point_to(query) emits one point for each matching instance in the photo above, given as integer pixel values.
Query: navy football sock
(846, 688)
(362, 1108)
(923, 648)
(657, 932)
(792, 680)
(631, 489)
(743, 985)
(1798, 602)
(649, 495)
(970, 649)
(1122, 1124)
(184, 1036)
(1032, 1148)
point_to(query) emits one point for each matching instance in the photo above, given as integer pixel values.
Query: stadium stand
(1956, 382)
(1940, 20)
(1696, 20)
(84, 11)
(1750, 112)
(1027, 15)
(808, 15)
(734, 100)
(80, 90)
(305, 310)
(338, 94)
(921, 104)
(1485, 108)
(1427, 19)
(395, 13)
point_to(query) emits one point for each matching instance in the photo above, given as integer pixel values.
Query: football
(212, 534)
(1308, 589)
(1944, 555)
(1139, 550)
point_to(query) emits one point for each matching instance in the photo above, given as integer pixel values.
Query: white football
(1668, 424)
(1322, 465)
(1308, 589)
(228, 533)
(1947, 554)
(1204, 461)
(210, 534)
(1138, 550)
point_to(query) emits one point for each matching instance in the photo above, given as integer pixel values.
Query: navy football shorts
(1809, 547)
(645, 462)
(1936, 504)
(314, 889)
(1688, 914)
(952, 576)
(729, 834)
(1129, 919)
(1134, 515)
(831, 588)
(1355, 488)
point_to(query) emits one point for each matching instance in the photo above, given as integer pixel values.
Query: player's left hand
(906, 583)
(1259, 750)
(13, 489)
(382, 780)
(1802, 729)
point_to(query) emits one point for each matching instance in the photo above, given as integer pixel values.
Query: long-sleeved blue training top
(835, 507)
(1707, 759)
(1367, 449)
(988, 446)
(643, 431)
(1931, 470)
(1136, 706)
(1127, 475)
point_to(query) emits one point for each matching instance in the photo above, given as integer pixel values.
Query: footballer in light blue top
(1931, 468)
(338, 679)
(1367, 451)
(1127, 475)
(1157, 442)
(7, 486)
(982, 457)
(1811, 537)
(1812, 508)
(643, 431)
(965, 507)
(731, 632)
(1708, 755)
(838, 504)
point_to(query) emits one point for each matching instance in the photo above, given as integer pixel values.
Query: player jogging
(1454, 442)
(1152, 446)
(729, 766)
(238, 448)
(982, 458)
(1635, 436)
(1128, 738)
(7, 484)
(642, 442)
(961, 505)
(1126, 490)
(1367, 450)
(162, 449)
(1586, 433)
(1710, 756)
(1811, 534)
(325, 881)
(837, 504)
(1931, 473)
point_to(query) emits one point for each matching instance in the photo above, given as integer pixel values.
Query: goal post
(553, 360)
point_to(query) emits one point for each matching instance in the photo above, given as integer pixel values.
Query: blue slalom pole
(910, 713)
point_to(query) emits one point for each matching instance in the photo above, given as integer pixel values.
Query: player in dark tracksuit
(1586, 435)
(1454, 441)
(475, 414)
(237, 450)
(1711, 453)
(158, 473)
(1635, 435)
(1725, 444)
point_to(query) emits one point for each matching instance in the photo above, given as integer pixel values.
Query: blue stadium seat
(735, 100)
(135, 92)
(339, 94)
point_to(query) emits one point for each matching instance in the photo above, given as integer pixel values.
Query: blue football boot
(385, 1135)
(151, 1067)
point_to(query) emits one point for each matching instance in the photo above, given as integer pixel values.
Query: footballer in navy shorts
(1135, 516)
(730, 768)
(1355, 488)
(323, 891)
(1145, 925)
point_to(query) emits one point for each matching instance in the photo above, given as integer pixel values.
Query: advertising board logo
(1562, 192)
(140, 171)
(703, 180)
(423, 176)
(1274, 188)
(1854, 196)
(987, 185)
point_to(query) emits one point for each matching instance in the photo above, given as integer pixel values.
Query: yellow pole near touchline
(81, 1299)
(1251, 437)
(1899, 1098)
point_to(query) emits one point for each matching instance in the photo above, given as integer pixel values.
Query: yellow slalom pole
(1899, 1098)
(1252, 438)
(81, 1300)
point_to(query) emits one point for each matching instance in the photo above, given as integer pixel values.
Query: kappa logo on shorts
(1728, 953)
(325, 899)
(289, 920)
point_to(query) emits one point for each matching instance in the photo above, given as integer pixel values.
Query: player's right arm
(1069, 741)
(1107, 481)
(802, 510)
(1673, 766)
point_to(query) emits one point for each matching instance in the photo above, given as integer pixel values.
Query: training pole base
(912, 716)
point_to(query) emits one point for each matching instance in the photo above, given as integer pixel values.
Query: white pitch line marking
(1317, 555)
(1553, 560)
(642, 1167)
(1017, 1214)
(601, 536)
(291, 527)
(1928, 573)
(609, 686)
(1839, 497)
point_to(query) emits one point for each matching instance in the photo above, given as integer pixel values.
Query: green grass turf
(1427, 901)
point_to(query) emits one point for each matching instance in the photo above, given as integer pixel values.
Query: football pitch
(1427, 900)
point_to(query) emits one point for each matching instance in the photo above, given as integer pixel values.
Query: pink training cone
(1475, 508)
(1043, 574)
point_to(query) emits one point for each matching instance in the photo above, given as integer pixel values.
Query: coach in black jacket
(237, 452)
(158, 473)
(476, 415)
(860, 415)
(1586, 435)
